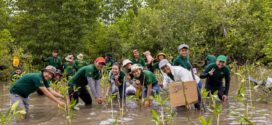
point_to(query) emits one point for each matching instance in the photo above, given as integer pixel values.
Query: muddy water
(45, 112)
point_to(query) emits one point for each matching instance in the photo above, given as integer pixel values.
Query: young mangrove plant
(11, 113)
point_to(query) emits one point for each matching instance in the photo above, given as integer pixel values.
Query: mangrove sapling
(216, 108)
(12, 112)
(241, 97)
(62, 88)
(165, 114)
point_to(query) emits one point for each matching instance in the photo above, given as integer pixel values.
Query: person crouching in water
(30, 83)
(117, 82)
(179, 74)
(146, 82)
(87, 75)
(215, 73)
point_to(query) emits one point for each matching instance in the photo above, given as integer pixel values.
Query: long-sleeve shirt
(216, 80)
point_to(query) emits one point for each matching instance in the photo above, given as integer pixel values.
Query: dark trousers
(81, 93)
(212, 89)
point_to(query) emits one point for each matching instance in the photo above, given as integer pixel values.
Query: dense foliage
(240, 29)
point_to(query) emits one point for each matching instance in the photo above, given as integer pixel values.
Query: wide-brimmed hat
(125, 62)
(160, 54)
(50, 69)
(80, 56)
(135, 67)
(69, 58)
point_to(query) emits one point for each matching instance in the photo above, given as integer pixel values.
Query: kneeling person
(30, 83)
(146, 81)
(87, 75)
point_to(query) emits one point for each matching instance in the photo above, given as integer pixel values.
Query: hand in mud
(99, 100)
(224, 98)
(147, 103)
(211, 72)
(61, 104)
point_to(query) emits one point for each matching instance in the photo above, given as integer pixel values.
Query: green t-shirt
(80, 77)
(68, 69)
(139, 61)
(56, 62)
(79, 63)
(147, 78)
(183, 62)
(28, 84)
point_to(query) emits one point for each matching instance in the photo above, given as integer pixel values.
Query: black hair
(117, 64)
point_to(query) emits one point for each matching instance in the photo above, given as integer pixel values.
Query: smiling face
(136, 54)
(161, 57)
(183, 52)
(220, 64)
(128, 66)
(54, 54)
(166, 69)
(18, 71)
(137, 73)
(99, 66)
(115, 70)
(47, 75)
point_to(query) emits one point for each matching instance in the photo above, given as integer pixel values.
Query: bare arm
(50, 96)
(55, 93)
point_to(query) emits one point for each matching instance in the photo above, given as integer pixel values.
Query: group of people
(135, 76)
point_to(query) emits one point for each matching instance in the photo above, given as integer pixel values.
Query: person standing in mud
(146, 84)
(87, 75)
(54, 60)
(79, 62)
(137, 59)
(214, 74)
(183, 58)
(32, 82)
(68, 66)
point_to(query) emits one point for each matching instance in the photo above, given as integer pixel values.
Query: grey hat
(183, 46)
(50, 69)
(163, 63)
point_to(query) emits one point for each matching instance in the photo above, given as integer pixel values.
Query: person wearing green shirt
(209, 59)
(183, 59)
(214, 74)
(68, 66)
(137, 59)
(117, 82)
(30, 83)
(87, 75)
(80, 62)
(146, 82)
(16, 75)
(159, 57)
(55, 60)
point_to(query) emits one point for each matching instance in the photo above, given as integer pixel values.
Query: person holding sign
(215, 73)
(178, 74)
(145, 81)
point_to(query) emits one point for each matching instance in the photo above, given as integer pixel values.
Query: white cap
(183, 46)
(135, 67)
(69, 58)
(163, 63)
(80, 56)
(126, 61)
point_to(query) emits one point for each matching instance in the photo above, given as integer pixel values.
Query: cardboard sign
(183, 93)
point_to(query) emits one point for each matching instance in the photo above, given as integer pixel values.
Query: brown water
(44, 112)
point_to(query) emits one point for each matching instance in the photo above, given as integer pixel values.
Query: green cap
(222, 58)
